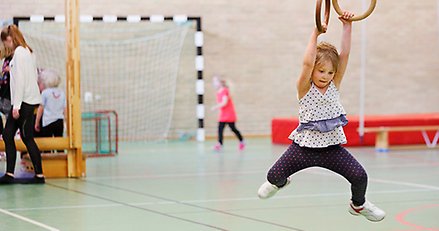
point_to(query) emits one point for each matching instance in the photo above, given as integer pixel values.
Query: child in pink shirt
(227, 113)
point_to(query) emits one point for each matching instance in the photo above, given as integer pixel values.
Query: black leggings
(335, 158)
(221, 126)
(25, 123)
(54, 129)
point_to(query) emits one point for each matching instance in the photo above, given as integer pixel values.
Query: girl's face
(323, 74)
(8, 42)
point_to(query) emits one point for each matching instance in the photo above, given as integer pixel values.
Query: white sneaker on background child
(368, 210)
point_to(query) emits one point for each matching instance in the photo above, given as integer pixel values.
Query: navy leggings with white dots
(335, 158)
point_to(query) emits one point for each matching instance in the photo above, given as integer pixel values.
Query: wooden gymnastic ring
(318, 14)
(359, 17)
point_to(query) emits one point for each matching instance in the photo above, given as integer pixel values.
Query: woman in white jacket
(25, 99)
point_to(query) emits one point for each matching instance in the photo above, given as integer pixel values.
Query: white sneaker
(368, 210)
(268, 190)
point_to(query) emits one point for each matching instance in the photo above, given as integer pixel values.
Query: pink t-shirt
(227, 113)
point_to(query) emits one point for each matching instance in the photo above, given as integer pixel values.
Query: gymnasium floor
(186, 186)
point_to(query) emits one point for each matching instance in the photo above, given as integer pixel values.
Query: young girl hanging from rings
(318, 138)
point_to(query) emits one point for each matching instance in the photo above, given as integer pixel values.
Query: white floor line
(28, 220)
(69, 207)
(406, 184)
(434, 164)
(278, 197)
(306, 196)
(403, 183)
(197, 174)
(177, 175)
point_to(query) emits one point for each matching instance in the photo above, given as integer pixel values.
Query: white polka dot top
(318, 108)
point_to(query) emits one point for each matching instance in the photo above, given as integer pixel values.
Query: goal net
(99, 133)
(130, 68)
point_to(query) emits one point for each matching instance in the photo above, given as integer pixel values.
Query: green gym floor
(186, 186)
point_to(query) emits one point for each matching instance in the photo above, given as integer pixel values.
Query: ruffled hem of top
(323, 125)
(316, 139)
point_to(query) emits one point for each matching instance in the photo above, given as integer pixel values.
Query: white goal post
(132, 19)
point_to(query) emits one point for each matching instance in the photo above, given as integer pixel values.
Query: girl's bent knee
(274, 177)
(361, 178)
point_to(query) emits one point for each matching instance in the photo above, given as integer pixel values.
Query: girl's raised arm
(345, 47)
(304, 80)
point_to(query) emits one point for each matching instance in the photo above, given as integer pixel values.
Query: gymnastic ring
(318, 14)
(359, 17)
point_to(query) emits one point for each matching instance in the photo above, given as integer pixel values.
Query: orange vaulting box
(282, 127)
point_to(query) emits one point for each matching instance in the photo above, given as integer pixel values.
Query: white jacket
(24, 77)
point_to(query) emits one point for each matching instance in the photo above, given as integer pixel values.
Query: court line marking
(183, 175)
(400, 217)
(415, 185)
(136, 207)
(196, 206)
(28, 220)
(199, 206)
(278, 197)
(216, 200)
(403, 183)
(253, 172)
(405, 165)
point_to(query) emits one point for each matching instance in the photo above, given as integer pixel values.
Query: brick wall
(258, 48)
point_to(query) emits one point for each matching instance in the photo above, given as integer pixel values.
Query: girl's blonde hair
(49, 78)
(16, 35)
(327, 51)
(219, 81)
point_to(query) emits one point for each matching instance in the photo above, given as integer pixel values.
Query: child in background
(318, 138)
(49, 121)
(227, 113)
